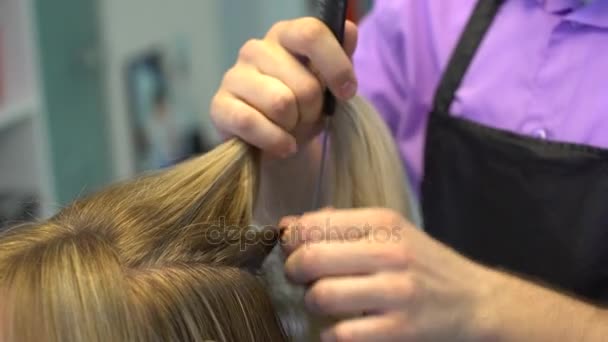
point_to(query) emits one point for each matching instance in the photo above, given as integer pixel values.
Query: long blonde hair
(173, 256)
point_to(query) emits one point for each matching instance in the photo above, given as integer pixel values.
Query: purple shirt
(542, 70)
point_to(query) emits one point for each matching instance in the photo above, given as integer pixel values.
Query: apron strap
(463, 55)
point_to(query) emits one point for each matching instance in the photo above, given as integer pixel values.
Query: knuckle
(311, 31)
(308, 260)
(215, 108)
(397, 256)
(309, 92)
(405, 287)
(281, 103)
(242, 122)
(219, 111)
(230, 76)
(279, 26)
(250, 49)
(320, 297)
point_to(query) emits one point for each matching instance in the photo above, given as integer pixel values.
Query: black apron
(532, 207)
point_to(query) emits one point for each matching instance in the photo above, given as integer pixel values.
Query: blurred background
(96, 91)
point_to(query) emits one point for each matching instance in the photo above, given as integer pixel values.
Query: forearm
(287, 185)
(522, 311)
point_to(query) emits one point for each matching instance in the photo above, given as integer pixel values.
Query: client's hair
(173, 256)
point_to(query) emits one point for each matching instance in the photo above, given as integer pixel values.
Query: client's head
(172, 256)
(167, 257)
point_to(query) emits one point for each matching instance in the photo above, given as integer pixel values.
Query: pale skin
(408, 287)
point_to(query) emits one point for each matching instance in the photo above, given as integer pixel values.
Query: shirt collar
(557, 6)
(593, 14)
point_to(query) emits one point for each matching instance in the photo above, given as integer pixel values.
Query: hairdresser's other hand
(272, 96)
(383, 279)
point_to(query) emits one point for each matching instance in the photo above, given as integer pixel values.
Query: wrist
(491, 289)
(511, 309)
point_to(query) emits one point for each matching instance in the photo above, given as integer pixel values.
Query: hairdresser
(500, 110)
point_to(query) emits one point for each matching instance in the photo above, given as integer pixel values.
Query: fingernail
(348, 89)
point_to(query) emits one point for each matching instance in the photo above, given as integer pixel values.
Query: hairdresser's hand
(384, 279)
(272, 97)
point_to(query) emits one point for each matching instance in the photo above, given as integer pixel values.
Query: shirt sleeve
(381, 66)
(380, 61)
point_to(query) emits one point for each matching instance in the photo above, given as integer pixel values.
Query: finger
(311, 38)
(367, 329)
(273, 60)
(237, 118)
(353, 295)
(296, 234)
(266, 94)
(289, 230)
(350, 35)
(323, 259)
(350, 38)
(337, 225)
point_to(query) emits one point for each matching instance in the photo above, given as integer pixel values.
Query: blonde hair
(173, 256)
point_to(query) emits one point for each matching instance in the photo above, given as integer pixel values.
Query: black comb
(333, 14)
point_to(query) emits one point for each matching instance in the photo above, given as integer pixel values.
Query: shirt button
(540, 133)
(535, 129)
